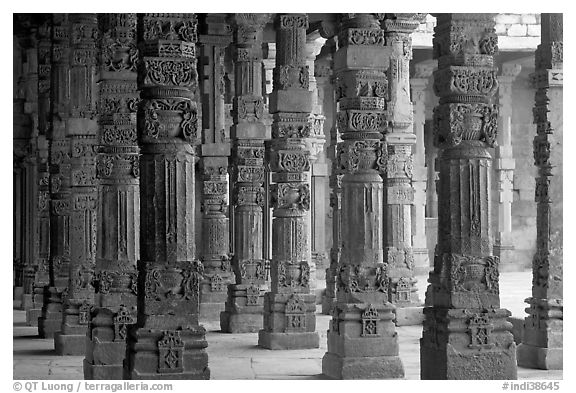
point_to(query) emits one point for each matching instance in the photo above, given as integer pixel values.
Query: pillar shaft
(245, 301)
(59, 159)
(542, 340)
(335, 184)
(319, 167)
(362, 342)
(504, 166)
(167, 341)
(289, 320)
(399, 193)
(419, 84)
(81, 130)
(466, 334)
(118, 210)
(215, 251)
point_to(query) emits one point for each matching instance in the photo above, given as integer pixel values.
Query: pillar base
(210, 311)
(327, 303)
(101, 371)
(445, 362)
(530, 356)
(273, 340)
(241, 322)
(517, 329)
(409, 316)
(421, 261)
(32, 316)
(50, 325)
(510, 261)
(27, 302)
(69, 344)
(380, 367)
(104, 359)
(187, 360)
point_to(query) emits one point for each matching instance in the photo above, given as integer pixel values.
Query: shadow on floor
(35, 352)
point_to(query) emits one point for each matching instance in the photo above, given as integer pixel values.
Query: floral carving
(173, 72)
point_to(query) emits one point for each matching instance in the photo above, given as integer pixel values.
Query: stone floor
(237, 356)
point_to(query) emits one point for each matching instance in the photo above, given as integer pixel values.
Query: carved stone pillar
(504, 165)
(245, 301)
(362, 342)
(42, 244)
(268, 64)
(118, 212)
(59, 157)
(215, 252)
(418, 84)
(466, 334)
(42, 277)
(542, 340)
(167, 341)
(82, 128)
(289, 308)
(398, 190)
(335, 184)
(25, 152)
(22, 152)
(318, 168)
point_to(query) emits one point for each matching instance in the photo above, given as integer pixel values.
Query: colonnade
(139, 214)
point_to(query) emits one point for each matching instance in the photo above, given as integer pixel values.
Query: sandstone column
(118, 211)
(215, 250)
(362, 342)
(335, 184)
(466, 334)
(289, 308)
(42, 277)
(245, 301)
(42, 242)
(167, 341)
(399, 193)
(25, 152)
(318, 169)
(418, 84)
(81, 128)
(504, 165)
(543, 331)
(59, 157)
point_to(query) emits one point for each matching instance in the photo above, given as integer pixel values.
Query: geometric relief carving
(402, 290)
(217, 283)
(171, 352)
(480, 329)
(84, 313)
(370, 322)
(295, 314)
(122, 319)
(252, 295)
